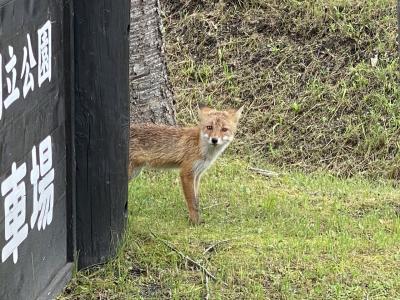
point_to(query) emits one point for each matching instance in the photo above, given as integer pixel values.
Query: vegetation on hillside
(319, 79)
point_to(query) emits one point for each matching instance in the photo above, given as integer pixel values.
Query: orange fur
(192, 150)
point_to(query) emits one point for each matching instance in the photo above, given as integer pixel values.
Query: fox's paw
(196, 221)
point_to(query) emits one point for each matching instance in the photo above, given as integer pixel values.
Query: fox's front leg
(188, 184)
(196, 185)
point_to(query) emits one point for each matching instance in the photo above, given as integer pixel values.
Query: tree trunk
(151, 99)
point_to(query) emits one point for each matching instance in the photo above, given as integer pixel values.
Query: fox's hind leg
(134, 170)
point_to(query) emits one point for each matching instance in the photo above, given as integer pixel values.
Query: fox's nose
(214, 141)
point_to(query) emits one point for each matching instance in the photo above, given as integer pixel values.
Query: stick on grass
(213, 246)
(184, 256)
(263, 172)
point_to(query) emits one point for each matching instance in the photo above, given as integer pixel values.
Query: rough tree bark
(151, 97)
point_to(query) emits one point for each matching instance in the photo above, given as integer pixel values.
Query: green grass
(290, 237)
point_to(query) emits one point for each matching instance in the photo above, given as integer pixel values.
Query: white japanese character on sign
(43, 192)
(13, 92)
(1, 86)
(44, 53)
(29, 83)
(16, 229)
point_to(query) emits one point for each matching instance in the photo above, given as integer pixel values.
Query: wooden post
(70, 128)
(101, 126)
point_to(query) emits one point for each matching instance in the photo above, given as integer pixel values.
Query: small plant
(296, 107)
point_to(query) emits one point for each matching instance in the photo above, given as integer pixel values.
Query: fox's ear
(204, 110)
(239, 113)
(236, 113)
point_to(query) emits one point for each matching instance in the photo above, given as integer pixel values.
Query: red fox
(192, 150)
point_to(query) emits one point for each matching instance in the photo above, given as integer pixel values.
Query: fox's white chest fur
(210, 154)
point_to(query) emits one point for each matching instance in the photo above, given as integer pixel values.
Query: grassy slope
(303, 70)
(292, 237)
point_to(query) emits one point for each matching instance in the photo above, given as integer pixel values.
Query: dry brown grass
(303, 69)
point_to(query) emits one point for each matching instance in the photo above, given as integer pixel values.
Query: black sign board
(64, 121)
(33, 190)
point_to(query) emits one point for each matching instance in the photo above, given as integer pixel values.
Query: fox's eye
(209, 127)
(224, 129)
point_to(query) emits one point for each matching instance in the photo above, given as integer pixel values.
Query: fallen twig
(207, 289)
(212, 247)
(264, 172)
(214, 205)
(184, 256)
